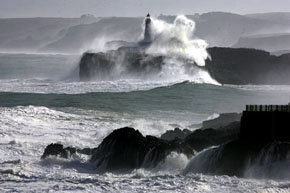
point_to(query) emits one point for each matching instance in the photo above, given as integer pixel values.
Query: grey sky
(74, 8)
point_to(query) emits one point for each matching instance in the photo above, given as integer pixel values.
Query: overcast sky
(75, 8)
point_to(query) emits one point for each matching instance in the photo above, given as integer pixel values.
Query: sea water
(42, 102)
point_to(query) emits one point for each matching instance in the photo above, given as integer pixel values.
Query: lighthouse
(147, 32)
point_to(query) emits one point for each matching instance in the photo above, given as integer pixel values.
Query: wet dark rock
(235, 154)
(227, 65)
(106, 66)
(175, 134)
(95, 65)
(56, 149)
(248, 66)
(237, 157)
(86, 151)
(261, 149)
(204, 138)
(127, 148)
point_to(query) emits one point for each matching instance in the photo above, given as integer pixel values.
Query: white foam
(25, 131)
(49, 86)
(213, 116)
(203, 161)
(178, 40)
(174, 161)
(181, 49)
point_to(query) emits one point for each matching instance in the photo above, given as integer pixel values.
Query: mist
(75, 8)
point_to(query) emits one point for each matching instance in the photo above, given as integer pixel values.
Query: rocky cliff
(248, 66)
(227, 65)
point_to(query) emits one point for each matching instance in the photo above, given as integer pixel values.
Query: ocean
(42, 101)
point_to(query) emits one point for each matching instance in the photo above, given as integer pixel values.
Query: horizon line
(136, 16)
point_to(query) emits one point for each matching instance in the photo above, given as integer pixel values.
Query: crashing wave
(177, 40)
(167, 52)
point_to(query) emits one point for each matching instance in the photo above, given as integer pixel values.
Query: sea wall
(257, 126)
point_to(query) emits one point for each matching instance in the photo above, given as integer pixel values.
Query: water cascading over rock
(262, 149)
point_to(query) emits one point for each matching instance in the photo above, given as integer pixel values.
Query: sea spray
(178, 40)
(184, 53)
(237, 158)
(168, 52)
(174, 161)
(204, 162)
(273, 161)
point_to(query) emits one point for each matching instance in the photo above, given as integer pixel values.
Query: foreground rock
(176, 134)
(243, 159)
(224, 124)
(56, 149)
(204, 138)
(253, 152)
(124, 149)
(262, 148)
(127, 148)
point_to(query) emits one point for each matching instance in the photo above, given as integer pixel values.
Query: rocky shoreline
(127, 149)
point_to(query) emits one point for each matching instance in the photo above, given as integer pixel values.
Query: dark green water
(200, 98)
